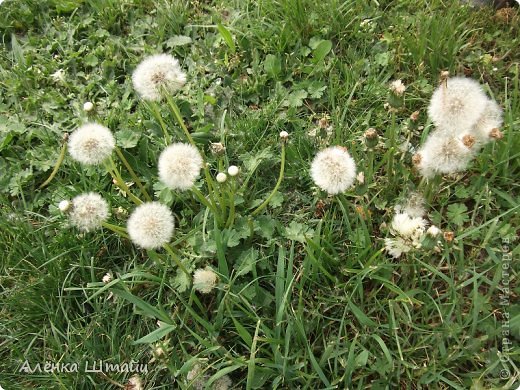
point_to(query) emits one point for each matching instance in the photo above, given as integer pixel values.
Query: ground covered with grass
(307, 296)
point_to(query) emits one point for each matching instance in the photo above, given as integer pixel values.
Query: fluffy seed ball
(204, 280)
(88, 211)
(442, 153)
(179, 166)
(151, 225)
(155, 73)
(457, 104)
(333, 170)
(91, 144)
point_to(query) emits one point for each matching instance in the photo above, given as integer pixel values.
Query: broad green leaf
(226, 35)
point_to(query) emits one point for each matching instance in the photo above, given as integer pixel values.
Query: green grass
(307, 296)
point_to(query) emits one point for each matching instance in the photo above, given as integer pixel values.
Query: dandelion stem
(177, 113)
(157, 114)
(231, 217)
(133, 174)
(177, 259)
(203, 199)
(116, 229)
(121, 183)
(61, 157)
(280, 178)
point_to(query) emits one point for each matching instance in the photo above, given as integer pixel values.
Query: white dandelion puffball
(179, 166)
(151, 225)
(443, 153)
(91, 144)
(204, 280)
(407, 226)
(457, 104)
(88, 211)
(490, 119)
(155, 73)
(333, 170)
(233, 170)
(221, 177)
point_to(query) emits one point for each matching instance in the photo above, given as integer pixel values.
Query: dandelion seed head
(407, 226)
(490, 119)
(223, 383)
(151, 225)
(443, 153)
(88, 211)
(155, 73)
(179, 166)
(91, 144)
(457, 104)
(333, 170)
(204, 280)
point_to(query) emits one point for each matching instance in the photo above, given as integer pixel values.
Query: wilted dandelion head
(223, 383)
(397, 87)
(157, 73)
(204, 280)
(151, 225)
(179, 166)
(457, 104)
(333, 170)
(443, 153)
(88, 211)
(91, 144)
(396, 247)
(490, 120)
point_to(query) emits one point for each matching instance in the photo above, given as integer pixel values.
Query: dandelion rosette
(204, 280)
(88, 211)
(333, 170)
(91, 144)
(151, 225)
(157, 73)
(179, 166)
(457, 104)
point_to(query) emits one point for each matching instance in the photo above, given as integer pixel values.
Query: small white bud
(233, 170)
(107, 278)
(88, 106)
(221, 177)
(284, 135)
(64, 205)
